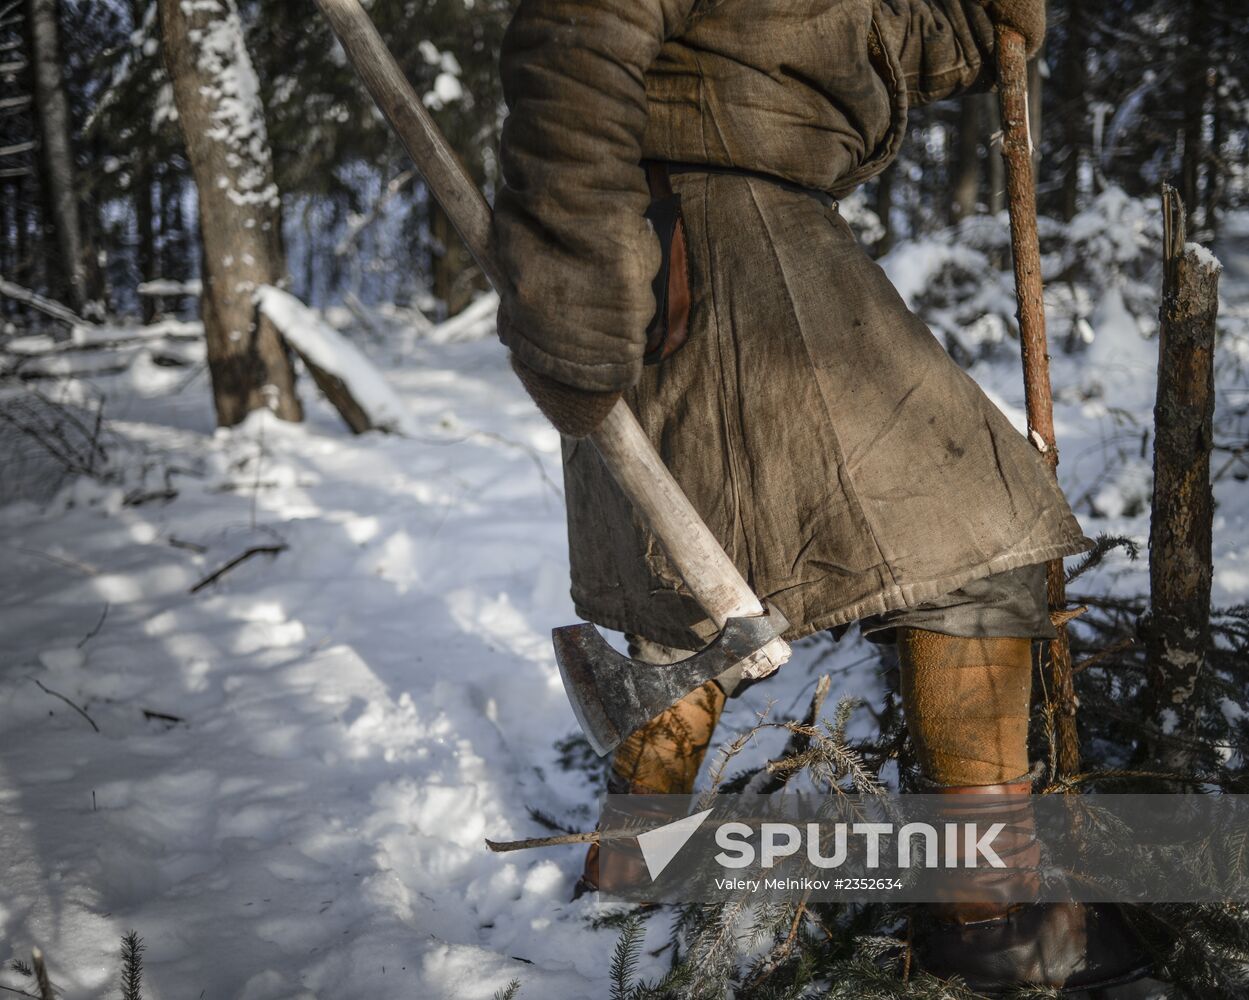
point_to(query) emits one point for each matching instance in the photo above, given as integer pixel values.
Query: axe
(612, 695)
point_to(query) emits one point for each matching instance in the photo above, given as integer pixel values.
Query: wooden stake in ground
(1183, 503)
(1012, 74)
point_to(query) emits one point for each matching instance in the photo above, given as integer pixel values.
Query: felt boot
(661, 758)
(966, 703)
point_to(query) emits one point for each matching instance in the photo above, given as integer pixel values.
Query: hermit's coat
(846, 463)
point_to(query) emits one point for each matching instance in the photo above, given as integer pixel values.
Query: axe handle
(703, 564)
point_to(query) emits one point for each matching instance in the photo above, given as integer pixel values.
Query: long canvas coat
(846, 463)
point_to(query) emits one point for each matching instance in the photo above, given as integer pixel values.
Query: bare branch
(98, 625)
(255, 550)
(57, 694)
(50, 308)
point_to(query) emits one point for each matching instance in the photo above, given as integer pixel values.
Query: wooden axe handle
(702, 562)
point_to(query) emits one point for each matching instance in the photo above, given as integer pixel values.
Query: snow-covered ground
(295, 765)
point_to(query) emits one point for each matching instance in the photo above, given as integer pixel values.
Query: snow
(167, 286)
(472, 323)
(447, 87)
(360, 710)
(334, 727)
(233, 91)
(1204, 256)
(326, 348)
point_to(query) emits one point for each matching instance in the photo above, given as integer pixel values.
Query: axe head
(613, 695)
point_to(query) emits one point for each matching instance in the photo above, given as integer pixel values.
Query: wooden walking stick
(1012, 75)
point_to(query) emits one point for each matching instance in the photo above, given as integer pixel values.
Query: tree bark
(1073, 83)
(1178, 628)
(215, 90)
(1214, 159)
(884, 208)
(143, 190)
(1035, 81)
(1026, 251)
(52, 109)
(965, 189)
(996, 165)
(1196, 89)
(450, 262)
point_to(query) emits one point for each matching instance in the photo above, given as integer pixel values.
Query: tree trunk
(52, 109)
(1073, 81)
(1196, 64)
(1178, 629)
(215, 90)
(1214, 159)
(10, 250)
(1035, 83)
(996, 164)
(146, 232)
(172, 249)
(965, 189)
(450, 262)
(884, 208)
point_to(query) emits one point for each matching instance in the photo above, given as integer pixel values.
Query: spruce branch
(508, 992)
(624, 960)
(1103, 545)
(132, 967)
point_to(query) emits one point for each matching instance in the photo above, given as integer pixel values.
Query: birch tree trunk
(52, 110)
(216, 93)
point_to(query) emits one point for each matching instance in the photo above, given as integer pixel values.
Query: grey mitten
(574, 412)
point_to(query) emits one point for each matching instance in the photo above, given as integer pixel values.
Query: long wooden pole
(1012, 74)
(707, 570)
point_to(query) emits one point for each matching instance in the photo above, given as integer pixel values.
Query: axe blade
(613, 695)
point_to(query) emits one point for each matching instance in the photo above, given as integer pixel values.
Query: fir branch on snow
(508, 992)
(624, 960)
(132, 967)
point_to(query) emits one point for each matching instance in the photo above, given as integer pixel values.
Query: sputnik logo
(661, 845)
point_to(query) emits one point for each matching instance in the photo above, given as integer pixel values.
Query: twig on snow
(255, 550)
(98, 625)
(154, 716)
(77, 708)
(41, 975)
(593, 837)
